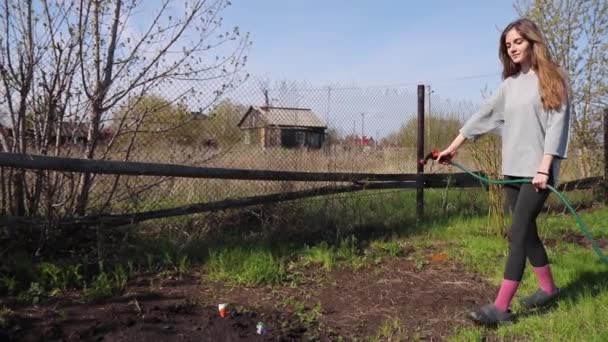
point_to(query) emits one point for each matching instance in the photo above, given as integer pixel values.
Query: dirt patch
(578, 239)
(582, 240)
(399, 298)
(428, 304)
(171, 312)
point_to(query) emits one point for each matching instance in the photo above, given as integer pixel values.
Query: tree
(408, 133)
(82, 60)
(113, 67)
(222, 124)
(577, 34)
(150, 120)
(486, 156)
(37, 71)
(333, 137)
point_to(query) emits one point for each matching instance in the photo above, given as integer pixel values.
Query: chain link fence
(249, 125)
(254, 126)
(285, 128)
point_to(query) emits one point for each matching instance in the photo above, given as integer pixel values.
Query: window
(247, 138)
(314, 140)
(288, 138)
(300, 136)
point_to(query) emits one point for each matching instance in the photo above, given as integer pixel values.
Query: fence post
(606, 156)
(420, 155)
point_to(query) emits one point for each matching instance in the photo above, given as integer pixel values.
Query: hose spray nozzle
(434, 154)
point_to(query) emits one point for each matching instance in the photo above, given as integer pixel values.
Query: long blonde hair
(553, 83)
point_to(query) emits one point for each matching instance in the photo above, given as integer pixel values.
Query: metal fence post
(420, 155)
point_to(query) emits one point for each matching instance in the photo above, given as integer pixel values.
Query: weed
(322, 255)
(34, 294)
(305, 315)
(6, 315)
(56, 279)
(246, 266)
(107, 284)
(390, 330)
(8, 284)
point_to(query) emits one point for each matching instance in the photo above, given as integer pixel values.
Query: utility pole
(266, 98)
(428, 115)
(362, 125)
(328, 106)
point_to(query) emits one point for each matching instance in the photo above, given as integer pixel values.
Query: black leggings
(524, 203)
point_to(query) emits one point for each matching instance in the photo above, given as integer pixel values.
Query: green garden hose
(561, 196)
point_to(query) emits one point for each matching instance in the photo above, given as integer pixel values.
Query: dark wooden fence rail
(358, 182)
(108, 167)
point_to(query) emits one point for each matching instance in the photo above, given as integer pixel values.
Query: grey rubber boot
(489, 314)
(539, 299)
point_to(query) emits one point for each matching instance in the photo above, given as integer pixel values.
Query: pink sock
(545, 279)
(505, 294)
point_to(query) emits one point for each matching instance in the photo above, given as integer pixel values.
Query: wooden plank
(581, 184)
(431, 181)
(453, 180)
(118, 220)
(39, 162)
(124, 219)
(172, 170)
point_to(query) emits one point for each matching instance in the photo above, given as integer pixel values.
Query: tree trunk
(86, 180)
(18, 193)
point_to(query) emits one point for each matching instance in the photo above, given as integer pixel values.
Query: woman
(532, 108)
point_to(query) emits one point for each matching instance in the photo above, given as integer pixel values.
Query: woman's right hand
(450, 152)
(447, 154)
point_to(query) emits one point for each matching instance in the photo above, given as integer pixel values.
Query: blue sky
(383, 42)
(382, 48)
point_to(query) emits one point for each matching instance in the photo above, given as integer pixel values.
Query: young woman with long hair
(532, 108)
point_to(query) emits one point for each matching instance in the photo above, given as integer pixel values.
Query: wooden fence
(352, 182)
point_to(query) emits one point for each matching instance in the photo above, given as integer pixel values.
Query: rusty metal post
(420, 155)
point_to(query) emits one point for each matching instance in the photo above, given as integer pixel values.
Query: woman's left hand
(540, 181)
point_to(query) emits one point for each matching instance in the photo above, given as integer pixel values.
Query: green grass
(264, 266)
(5, 316)
(356, 230)
(321, 255)
(260, 266)
(245, 266)
(107, 284)
(582, 313)
(392, 247)
(596, 221)
(391, 329)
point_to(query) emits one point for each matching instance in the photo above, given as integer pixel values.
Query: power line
(398, 85)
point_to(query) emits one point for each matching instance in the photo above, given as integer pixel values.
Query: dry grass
(147, 193)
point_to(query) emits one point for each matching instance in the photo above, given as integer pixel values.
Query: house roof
(283, 116)
(77, 129)
(67, 128)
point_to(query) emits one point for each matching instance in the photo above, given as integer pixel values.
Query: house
(74, 132)
(365, 141)
(70, 133)
(361, 142)
(282, 126)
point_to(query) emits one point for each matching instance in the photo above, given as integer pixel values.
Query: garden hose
(435, 154)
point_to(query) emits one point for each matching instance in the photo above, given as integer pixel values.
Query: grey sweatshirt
(528, 131)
